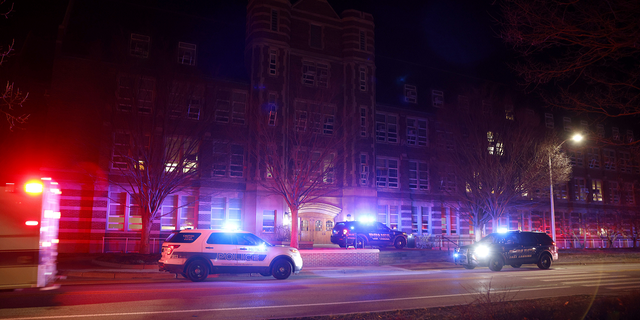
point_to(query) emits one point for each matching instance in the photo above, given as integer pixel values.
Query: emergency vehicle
(29, 217)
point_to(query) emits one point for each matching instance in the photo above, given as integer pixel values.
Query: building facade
(280, 59)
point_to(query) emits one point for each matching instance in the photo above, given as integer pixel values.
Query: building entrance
(316, 228)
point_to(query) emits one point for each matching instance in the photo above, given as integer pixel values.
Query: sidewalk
(86, 266)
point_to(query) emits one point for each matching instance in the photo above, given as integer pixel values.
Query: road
(324, 293)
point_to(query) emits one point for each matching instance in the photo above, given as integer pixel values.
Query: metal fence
(443, 242)
(128, 245)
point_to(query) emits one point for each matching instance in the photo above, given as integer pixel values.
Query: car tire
(197, 270)
(517, 265)
(545, 261)
(361, 242)
(468, 266)
(281, 269)
(400, 242)
(496, 263)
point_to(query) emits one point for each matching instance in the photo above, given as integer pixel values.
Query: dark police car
(513, 248)
(360, 234)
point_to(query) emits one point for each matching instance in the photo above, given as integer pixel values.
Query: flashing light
(33, 187)
(31, 223)
(55, 240)
(46, 244)
(49, 214)
(366, 219)
(171, 248)
(455, 255)
(47, 179)
(345, 231)
(482, 251)
(502, 230)
(230, 226)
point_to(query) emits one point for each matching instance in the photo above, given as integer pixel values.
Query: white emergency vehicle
(29, 217)
(197, 253)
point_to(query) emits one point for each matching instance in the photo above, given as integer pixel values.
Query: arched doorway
(316, 222)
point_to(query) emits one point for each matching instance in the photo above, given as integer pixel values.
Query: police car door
(221, 249)
(529, 244)
(252, 251)
(383, 233)
(512, 248)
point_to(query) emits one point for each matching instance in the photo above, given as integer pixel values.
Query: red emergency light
(31, 223)
(34, 187)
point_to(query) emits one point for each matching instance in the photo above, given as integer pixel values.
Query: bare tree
(492, 160)
(299, 155)
(579, 55)
(157, 141)
(12, 97)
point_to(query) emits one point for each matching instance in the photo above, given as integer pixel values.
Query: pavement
(87, 267)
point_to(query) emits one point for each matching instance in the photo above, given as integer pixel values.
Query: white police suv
(197, 253)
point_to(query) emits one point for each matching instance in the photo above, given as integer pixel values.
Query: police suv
(360, 234)
(197, 253)
(513, 248)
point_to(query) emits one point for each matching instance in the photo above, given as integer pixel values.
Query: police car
(197, 253)
(513, 248)
(363, 233)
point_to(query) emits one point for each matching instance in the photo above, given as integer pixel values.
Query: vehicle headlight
(482, 251)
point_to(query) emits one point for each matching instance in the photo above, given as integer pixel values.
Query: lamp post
(577, 138)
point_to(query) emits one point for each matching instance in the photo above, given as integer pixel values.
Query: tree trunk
(294, 227)
(145, 233)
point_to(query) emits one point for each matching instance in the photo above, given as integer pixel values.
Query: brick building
(114, 61)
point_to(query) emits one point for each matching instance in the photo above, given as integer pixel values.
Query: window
(363, 79)
(315, 36)
(363, 41)
(508, 111)
(437, 98)
(309, 73)
(386, 173)
(410, 94)
(273, 114)
(186, 53)
(268, 221)
(548, 120)
(418, 175)
(629, 193)
(363, 121)
(629, 136)
(273, 62)
(139, 45)
(236, 161)
(168, 212)
(577, 159)
(219, 167)
(121, 151)
(393, 217)
(463, 103)
(125, 93)
(315, 74)
(600, 131)
(323, 75)
(596, 190)
(181, 152)
(609, 157)
(584, 126)
(274, 20)
(301, 120)
(321, 119)
(226, 211)
(593, 158)
(416, 132)
(560, 192)
(448, 182)
(238, 107)
(364, 169)
(494, 147)
(178, 216)
(614, 192)
(222, 111)
(386, 128)
(625, 162)
(123, 213)
(615, 133)
(444, 140)
(566, 121)
(145, 95)
(194, 109)
(581, 190)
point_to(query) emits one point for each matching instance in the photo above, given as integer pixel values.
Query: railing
(443, 242)
(127, 245)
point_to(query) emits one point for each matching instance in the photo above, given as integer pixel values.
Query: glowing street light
(576, 138)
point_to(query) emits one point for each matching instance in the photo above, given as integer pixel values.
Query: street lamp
(577, 138)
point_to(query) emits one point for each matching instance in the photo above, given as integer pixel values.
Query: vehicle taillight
(170, 248)
(31, 223)
(33, 187)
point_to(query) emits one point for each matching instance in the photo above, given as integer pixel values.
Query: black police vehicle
(360, 234)
(513, 248)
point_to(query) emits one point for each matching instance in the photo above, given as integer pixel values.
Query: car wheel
(282, 269)
(545, 261)
(400, 243)
(517, 265)
(361, 241)
(197, 270)
(496, 263)
(468, 266)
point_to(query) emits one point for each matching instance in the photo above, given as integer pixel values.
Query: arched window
(318, 225)
(329, 225)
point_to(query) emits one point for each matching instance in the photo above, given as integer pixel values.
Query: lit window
(596, 189)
